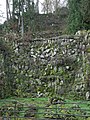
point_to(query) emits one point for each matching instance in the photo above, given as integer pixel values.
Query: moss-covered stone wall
(44, 67)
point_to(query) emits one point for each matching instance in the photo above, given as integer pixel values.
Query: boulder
(87, 95)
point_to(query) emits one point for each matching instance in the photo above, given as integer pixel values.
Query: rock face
(87, 95)
(31, 111)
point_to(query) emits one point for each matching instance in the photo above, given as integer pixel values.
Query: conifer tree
(75, 16)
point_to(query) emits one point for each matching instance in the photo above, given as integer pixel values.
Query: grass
(37, 101)
(42, 102)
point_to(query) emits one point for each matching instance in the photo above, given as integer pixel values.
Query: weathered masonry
(43, 67)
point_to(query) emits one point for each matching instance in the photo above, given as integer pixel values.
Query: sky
(3, 9)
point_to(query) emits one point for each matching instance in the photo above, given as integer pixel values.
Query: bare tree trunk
(13, 10)
(56, 5)
(7, 10)
(37, 6)
(47, 6)
(19, 17)
(22, 19)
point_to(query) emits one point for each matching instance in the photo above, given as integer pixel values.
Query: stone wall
(44, 67)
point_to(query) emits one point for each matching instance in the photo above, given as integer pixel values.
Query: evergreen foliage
(79, 15)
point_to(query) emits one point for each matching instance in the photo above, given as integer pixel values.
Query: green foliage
(85, 11)
(39, 69)
(78, 15)
(75, 18)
